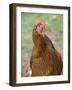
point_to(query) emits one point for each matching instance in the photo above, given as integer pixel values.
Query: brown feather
(45, 59)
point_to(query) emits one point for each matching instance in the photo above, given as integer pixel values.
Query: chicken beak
(35, 27)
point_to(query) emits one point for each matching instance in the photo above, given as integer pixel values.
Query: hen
(45, 59)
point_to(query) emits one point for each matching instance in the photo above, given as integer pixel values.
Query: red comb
(39, 22)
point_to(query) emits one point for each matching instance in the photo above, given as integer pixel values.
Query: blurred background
(54, 30)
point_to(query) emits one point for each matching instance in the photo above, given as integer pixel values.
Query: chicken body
(45, 59)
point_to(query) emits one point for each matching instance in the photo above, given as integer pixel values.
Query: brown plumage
(45, 59)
